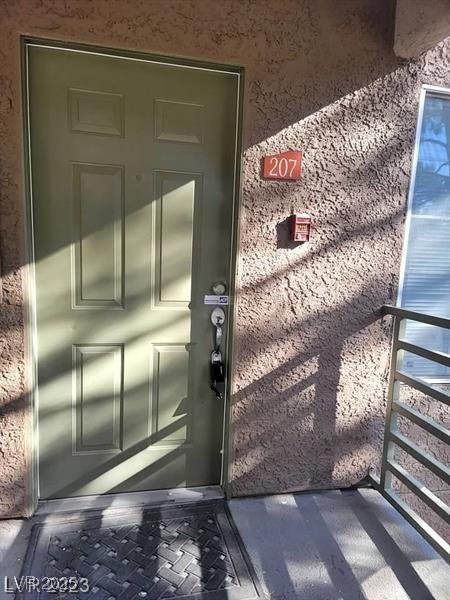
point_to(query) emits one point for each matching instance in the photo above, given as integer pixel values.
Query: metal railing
(393, 438)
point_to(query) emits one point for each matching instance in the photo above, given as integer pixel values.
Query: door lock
(219, 288)
(217, 373)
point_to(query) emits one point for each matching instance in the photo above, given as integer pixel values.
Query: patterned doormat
(189, 551)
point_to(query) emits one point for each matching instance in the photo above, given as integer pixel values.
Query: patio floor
(337, 544)
(325, 545)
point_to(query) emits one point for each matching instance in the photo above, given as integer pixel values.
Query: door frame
(29, 286)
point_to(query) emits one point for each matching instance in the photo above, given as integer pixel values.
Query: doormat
(188, 551)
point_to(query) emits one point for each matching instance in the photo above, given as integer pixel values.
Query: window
(425, 281)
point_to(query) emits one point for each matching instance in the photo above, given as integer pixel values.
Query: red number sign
(287, 165)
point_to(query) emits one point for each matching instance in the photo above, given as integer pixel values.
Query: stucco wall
(311, 356)
(420, 25)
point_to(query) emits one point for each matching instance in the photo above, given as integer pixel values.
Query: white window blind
(426, 269)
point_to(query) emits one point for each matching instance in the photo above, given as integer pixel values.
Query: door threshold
(130, 499)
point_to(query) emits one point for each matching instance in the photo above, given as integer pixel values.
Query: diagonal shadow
(392, 554)
(122, 457)
(329, 552)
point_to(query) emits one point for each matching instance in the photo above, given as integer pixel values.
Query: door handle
(218, 319)
(216, 362)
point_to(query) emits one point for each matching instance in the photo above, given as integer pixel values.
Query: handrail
(404, 313)
(393, 438)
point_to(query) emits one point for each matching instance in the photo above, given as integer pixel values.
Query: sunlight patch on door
(176, 195)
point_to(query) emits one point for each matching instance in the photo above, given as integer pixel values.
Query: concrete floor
(14, 536)
(333, 545)
(311, 546)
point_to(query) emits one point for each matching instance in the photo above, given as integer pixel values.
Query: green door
(132, 186)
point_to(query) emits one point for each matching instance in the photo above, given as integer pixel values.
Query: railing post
(393, 396)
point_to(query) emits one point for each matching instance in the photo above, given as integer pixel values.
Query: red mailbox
(300, 227)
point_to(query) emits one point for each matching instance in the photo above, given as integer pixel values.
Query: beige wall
(420, 25)
(311, 356)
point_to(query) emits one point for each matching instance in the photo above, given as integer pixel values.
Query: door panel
(99, 226)
(170, 408)
(98, 398)
(132, 171)
(174, 203)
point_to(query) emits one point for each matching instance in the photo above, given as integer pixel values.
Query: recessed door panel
(178, 121)
(170, 398)
(92, 111)
(133, 177)
(98, 388)
(176, 195)
(98, 230)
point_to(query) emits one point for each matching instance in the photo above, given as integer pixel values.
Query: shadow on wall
(301, 405)
(303, 415)
(289, 420)
(311, 354)
(335, 51)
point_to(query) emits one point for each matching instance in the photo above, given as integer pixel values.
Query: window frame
(425, 90)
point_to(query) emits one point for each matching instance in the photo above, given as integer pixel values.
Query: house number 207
(287, 165)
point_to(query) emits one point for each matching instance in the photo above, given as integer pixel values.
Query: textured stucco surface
(420, 25)
(311, 355)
